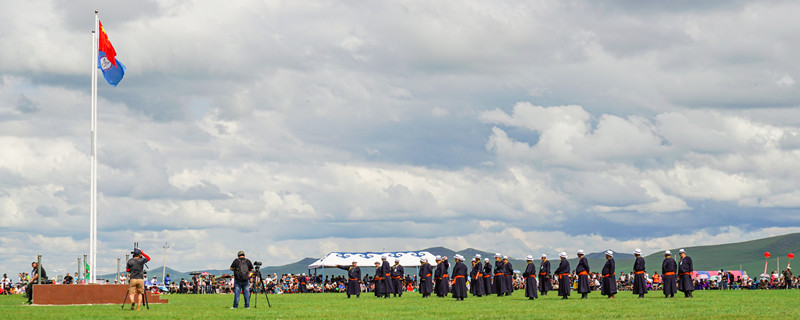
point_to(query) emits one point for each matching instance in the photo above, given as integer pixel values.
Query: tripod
(144, 297)
(259, 285)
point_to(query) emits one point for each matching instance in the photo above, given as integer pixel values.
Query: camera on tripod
(257, 264)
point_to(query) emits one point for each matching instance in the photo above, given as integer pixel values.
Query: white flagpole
(93, 187)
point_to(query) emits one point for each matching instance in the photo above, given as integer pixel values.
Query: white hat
(423, 259)
(438, 257)
(580, 251)
(667, 253)
(563, 254)
(498, 255)
(478, 256)
(384, 256)
(544, 255)
(302, 274)
(637, 251)
(459, 257)
(681, 251)
(486, 259)
(609, 253)
(505, 257)
(529, 258)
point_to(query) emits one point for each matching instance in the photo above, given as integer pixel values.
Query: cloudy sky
(289, 129)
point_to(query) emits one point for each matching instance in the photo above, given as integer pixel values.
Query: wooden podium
(67, 294)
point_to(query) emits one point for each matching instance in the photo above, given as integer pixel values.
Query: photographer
(34, 279)
(241, 268)
(135, 269)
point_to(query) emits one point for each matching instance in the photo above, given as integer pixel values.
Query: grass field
(706, 305)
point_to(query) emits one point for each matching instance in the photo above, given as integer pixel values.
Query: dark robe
(476, 280)
(445, 282)
(582, 270)
(425, 279)
(353, 275)
(388, 283)
(460, 280)
(499, 278)
(530, 281)
(639, 281)
(437, 279)
(564, 283)
(377, 280)
(509, 275)
(685, 270)
(398, 273)
(544, 277)
(302, 284)
(609, 284)
(487, 278)
(669, 269)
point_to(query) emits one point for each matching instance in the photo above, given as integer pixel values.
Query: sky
(289, 129)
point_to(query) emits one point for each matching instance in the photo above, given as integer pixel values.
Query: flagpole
(93, 183)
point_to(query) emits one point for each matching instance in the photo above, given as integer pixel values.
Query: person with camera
(34, 279)
(135, 268)
(241, 268)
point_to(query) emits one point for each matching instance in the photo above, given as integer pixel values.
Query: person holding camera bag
(241, 268)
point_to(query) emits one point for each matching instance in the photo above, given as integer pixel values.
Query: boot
(583, 295)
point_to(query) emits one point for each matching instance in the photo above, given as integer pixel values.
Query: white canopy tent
(368, 259)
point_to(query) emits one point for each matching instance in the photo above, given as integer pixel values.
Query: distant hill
(747, 255)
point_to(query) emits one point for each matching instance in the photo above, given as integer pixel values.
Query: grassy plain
(706, 305)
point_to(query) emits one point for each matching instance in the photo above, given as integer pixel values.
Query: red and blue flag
(113, 69)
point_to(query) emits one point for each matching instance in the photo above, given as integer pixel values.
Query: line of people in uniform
(485, 280)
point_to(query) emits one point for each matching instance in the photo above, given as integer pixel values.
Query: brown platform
(61, 294)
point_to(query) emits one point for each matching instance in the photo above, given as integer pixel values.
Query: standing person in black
(685, 270)
(445, 282)
(499, 276)
(135, 268)
(487, 277)
(398, 273)
(459, 278)
(668, 274)
(437, 277)
(582, 270)
(544, 276)
(377, 280)
(353, 276)
(34, 280)
(530, 279)
(508, 273)
(425, 280)
(476, 279)
(241, 268)
(639, 280)
(608, 287)
(388, 283)
(562, 272)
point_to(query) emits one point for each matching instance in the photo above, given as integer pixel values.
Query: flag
(86, 266)
(113, 69)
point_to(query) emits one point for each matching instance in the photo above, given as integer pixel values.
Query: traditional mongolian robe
(685, 270)
(544, 277)
(530, 281)
(460, 280)
(425, 279)
(609, 284)
(509, 275)
(388, 283)
(476, 280)
(669, 269)
(487, 278)
(398, 273)
(353, 275)
(499, 278)
(564, 283)
(582, 270)
(639, 280)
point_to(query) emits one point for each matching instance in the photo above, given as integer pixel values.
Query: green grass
(706, 304)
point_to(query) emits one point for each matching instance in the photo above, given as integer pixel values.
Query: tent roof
(368, 259)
